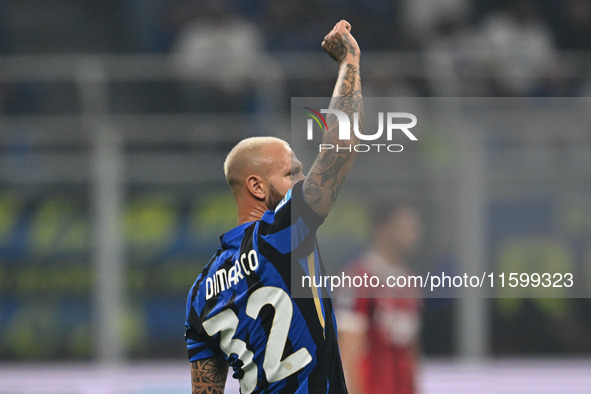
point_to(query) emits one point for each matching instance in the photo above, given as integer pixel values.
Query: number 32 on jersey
(226, 323)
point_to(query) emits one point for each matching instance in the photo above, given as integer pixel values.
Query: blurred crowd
(517, 43)
(466, 47)
(380, 24)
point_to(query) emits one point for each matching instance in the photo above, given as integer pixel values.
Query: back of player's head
(247, 158)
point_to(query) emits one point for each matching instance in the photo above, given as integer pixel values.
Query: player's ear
(254, 184)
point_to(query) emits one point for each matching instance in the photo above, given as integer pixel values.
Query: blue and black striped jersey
(241, 306)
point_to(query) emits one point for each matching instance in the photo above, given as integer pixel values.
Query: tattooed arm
(208, 376)
(328, 172)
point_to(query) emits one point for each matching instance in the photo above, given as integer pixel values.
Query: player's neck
(250, 212)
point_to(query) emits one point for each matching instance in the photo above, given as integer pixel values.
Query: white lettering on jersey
(225, 278)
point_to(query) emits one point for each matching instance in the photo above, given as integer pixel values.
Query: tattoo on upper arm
(208, 376)
(312, 191)
(329, 173)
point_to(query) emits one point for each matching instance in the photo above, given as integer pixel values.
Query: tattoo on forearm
(347, 88)
(208, 376)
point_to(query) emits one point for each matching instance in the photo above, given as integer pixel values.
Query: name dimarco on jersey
(225, 278)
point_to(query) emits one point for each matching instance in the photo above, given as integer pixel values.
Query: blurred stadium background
(115, 118)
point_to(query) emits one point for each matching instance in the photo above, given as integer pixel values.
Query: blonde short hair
(247, 149)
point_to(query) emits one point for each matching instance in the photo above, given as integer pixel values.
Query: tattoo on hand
(336, 50)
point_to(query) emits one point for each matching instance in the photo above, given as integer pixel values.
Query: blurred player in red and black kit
(378, 331)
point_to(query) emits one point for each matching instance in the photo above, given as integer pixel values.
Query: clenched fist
(340, 44)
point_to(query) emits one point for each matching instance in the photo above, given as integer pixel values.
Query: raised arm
(328, 172)
(209, 375)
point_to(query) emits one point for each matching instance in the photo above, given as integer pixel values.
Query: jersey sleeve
(199, 344)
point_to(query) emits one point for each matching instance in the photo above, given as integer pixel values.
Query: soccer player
(379, 336)
(240, 311)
